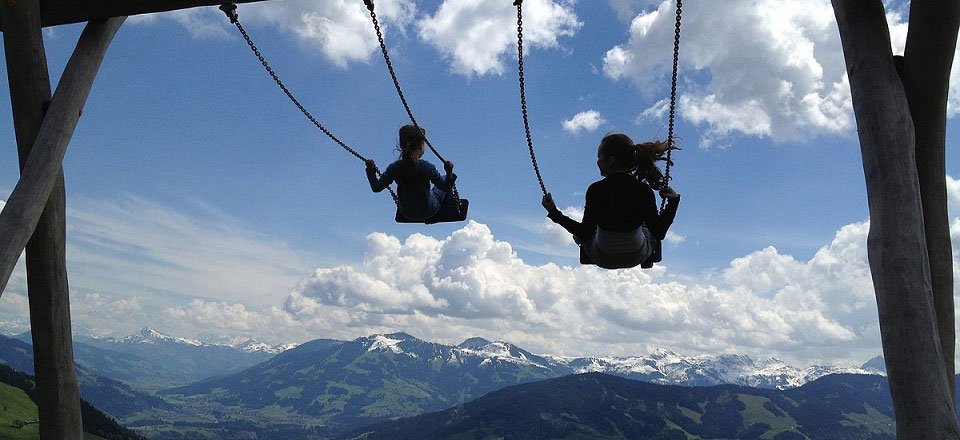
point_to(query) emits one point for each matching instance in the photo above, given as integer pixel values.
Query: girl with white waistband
(620, 217)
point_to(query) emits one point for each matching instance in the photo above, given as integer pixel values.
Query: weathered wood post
(916, 327)
(58, 394)
(34, 215)
(927, 57)
(58, 397)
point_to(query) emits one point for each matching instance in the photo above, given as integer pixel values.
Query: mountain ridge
(602, 406)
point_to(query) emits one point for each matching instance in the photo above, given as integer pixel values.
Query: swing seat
(655, 257)
(449, 212)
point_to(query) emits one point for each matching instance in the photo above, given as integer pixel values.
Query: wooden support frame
(58, 395)
(34, 216)
(25, 205)
(57, 12)
(38, 214)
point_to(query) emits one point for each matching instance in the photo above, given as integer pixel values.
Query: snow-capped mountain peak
(148, 335)
(385, 343)
(254, 346)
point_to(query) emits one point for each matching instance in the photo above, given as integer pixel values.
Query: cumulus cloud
(222, 320)
(771, 68)
(763, 303)
(472, 34)
(818, 310)
(627, 9)
(589, 120)
(340, 30)
(555, 236)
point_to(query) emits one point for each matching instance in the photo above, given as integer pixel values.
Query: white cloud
(133, 246)
(953, 196)
(339, 29)
(821, 310)
(222, 320)
(674, 239)
(476, 37)
(342, 29)
(588, 120)
(627, 9)
(555, 236)
(772, 69)
(469, 283)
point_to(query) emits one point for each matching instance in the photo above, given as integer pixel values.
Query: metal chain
(523, 95)
(231, 10)
(673, 101)
(396, 85)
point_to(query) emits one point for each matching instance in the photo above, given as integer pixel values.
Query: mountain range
(182, 388)
(151, 361)
(324, 387)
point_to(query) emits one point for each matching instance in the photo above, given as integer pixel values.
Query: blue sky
(201, 202)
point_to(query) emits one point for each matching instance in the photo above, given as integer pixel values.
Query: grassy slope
(17, 406)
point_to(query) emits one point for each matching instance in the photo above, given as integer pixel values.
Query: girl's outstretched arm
(445, 183)
(385, 179)
(580, 231)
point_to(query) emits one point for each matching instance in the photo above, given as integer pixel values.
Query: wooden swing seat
(655, 257)
(449, 212)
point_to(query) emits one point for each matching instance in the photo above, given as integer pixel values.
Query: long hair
(640, 159)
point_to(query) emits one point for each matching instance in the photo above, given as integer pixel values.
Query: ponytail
(648, 154)
(640, 159)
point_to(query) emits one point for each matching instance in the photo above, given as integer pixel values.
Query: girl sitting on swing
(620, 218)
(415, 199)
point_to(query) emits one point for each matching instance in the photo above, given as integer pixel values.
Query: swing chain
(396, 84)
(523, 95)
(673, 101)
(393, 74)
(230, 10)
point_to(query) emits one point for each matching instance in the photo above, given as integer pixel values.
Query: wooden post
(38, 214)
(896, 245)
(57, 12)
(58, 393)
(931, 43)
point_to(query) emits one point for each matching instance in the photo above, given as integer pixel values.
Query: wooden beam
(58, 12)
(896, 244)
(58, 393)
(25, 205)
(928, 56)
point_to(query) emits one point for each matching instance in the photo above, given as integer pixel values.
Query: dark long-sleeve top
(619, 203)
(415, 198)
